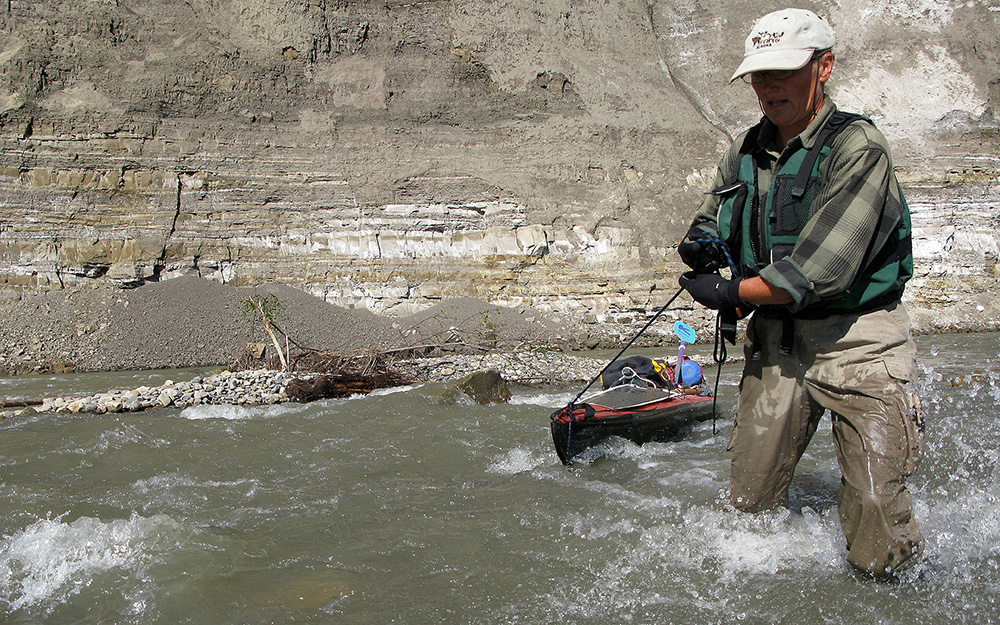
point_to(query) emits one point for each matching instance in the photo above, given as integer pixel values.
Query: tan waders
(858, 367)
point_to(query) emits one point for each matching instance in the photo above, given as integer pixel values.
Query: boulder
(486, 387)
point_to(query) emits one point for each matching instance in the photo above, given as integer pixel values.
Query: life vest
(757, 236)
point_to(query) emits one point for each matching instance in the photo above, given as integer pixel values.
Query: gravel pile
(193, 322)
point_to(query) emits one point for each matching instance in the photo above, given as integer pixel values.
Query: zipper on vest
(756, 222)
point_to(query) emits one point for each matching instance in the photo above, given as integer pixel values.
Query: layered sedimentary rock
(389, 154)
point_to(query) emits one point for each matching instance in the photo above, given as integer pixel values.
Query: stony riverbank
(245, 388)
(266, 387)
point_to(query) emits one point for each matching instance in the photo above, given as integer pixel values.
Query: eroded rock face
(389, 154)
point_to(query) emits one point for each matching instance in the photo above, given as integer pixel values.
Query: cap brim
(773, 59)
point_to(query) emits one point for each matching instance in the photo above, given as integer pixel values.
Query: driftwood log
(327, 385)
(340, 375)
(20, 403)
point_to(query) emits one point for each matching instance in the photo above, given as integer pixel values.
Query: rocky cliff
(389, 154)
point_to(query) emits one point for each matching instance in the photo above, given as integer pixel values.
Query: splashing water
(51, 560)
(398, 508)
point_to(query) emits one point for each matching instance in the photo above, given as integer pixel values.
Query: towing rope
(568, 410)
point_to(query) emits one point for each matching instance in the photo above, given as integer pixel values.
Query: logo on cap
(765, 39)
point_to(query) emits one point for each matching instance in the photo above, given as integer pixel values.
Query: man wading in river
(808, 205)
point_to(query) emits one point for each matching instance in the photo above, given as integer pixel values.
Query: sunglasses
(755, 78)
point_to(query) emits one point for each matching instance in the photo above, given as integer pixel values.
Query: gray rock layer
(387, 155)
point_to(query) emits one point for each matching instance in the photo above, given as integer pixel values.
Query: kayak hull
(639, 415)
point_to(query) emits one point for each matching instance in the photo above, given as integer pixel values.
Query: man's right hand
(701, 251)
(713, 291)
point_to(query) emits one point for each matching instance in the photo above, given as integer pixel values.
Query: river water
(395, 508)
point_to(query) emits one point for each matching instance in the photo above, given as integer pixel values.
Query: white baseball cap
(785, 39)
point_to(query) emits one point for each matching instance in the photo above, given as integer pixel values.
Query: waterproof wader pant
(858, 367)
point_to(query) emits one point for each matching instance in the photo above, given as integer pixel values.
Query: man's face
(791, 103)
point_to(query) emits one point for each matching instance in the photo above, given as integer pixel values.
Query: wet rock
(486, 387)
(452, 395)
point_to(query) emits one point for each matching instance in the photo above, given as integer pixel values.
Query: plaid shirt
(858, 208)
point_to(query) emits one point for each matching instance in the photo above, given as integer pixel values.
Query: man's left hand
(713, 291)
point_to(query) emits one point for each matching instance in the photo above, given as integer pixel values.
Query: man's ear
(825, 66)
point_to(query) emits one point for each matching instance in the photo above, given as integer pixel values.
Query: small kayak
(631, 412)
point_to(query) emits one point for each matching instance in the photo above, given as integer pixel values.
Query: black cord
(719, 355)
(624, 349)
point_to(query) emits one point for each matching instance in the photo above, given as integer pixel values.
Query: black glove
(701, 252)
(713, 291)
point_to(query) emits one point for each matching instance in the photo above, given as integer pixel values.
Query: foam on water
(613, 447)
(51, 560)
(674, 559)
(547, 399)
(964, 530)
(518, 461)
(700, 566)
(759, 544)
(230, 412)
(382, 392)
(591, 527)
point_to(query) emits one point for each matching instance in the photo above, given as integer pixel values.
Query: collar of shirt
(769, 139)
